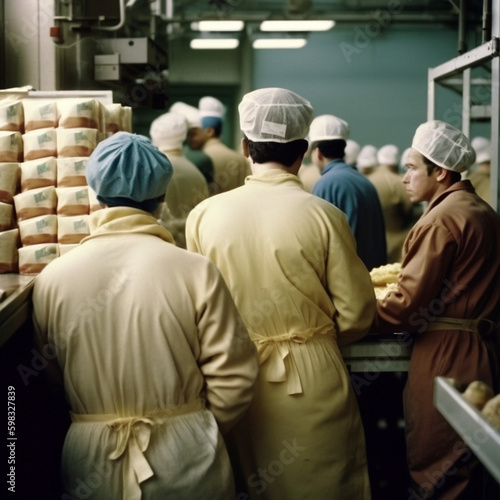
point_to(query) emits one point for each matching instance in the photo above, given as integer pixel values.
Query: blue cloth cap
(146, 205)
(128, 166)
(211, 121)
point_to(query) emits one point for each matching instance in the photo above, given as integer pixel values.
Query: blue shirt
(356, 196)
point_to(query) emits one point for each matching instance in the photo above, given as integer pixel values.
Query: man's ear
(442, 174)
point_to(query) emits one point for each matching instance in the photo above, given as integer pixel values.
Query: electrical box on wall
(143, 51)
(107, 67)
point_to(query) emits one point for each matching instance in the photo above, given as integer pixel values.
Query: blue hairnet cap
(128, 166)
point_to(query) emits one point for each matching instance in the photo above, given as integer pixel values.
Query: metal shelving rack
(481, 437)
(456, 74)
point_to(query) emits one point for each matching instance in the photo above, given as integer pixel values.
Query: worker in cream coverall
(152, 354)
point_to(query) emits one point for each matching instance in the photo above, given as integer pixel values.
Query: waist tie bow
(133, 436)
(281, 366)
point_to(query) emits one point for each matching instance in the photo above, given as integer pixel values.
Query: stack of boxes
(44, 198)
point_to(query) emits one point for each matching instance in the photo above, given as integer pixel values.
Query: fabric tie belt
(281, 366)
(482, 326)
(133, 435)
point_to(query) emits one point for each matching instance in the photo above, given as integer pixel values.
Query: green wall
(375, 79)
(373, 76)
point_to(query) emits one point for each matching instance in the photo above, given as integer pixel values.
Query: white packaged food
(37, 230)
(35, 202)
(71, 171)
(38, 173)
(11, 115)
(34, 258)
(9, 243)
(10, 175)
(94, 204)
(6, 216)
(80, 113)
(72, 229)
(72, 200)
(76, 141)
(39, 114)
(40, 143)
(11, 146)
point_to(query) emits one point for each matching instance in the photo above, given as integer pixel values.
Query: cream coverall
(154, 359)
(185, 190)
(230, 167)
(290, 261)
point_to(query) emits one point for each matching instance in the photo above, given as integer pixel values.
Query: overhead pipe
(121, 23)
(462, 44)
(486, 28)
(347, 17)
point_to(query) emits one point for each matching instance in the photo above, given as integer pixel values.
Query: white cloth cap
(328, 128)
(169, 131)
(191, 113)
(367, 157)
(212, 107)
(388, 155)
(482, 147)
(275, 115)
(352, 149)
(444, 145)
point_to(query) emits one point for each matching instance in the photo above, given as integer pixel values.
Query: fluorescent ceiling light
(279, 43)
(218, 26)
(297, 25)
(214, 43)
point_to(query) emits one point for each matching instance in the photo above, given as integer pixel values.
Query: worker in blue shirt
(348, 189)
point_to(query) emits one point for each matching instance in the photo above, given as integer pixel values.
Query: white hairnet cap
(352, 149)
(191, 113)
(327, 128)
(275, 115)
(367, 157)
(388, 155)
(169, 131)
(482, 147)
(212, 107)
(444, 145)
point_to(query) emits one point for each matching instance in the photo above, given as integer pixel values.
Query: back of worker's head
(388, 155)
(196, 136)
(367, 158)
(169, 131)
(191, 113)
(329, 134)
(351, 152)
(212, 113)
(127, 170)
(444, 145)
(275, 123)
